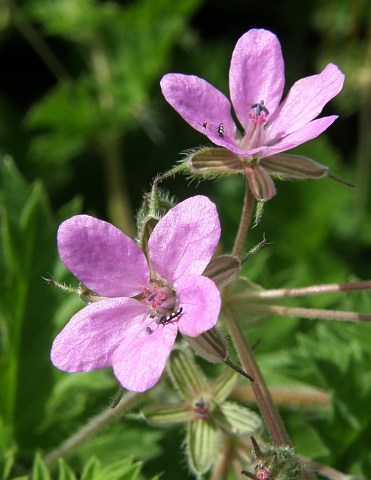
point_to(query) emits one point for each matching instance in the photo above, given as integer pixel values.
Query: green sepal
(237, 419)
(187, 378)
(293, 166)
(214, 162)
(223, 385)
(223, 270)
(209, 345)
(167, 414)
(202, 445)
(260, 183)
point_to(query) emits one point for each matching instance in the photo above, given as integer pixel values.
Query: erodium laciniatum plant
(156, 304)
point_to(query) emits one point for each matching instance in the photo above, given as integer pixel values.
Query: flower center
(201, 410)
(161, 299)
(254, 133)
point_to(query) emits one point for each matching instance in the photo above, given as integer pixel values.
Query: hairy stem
(95, 425)
(311, 313)
(118, 203)
(244, 221)
(109, 143)
(263, 397)
(312, 290)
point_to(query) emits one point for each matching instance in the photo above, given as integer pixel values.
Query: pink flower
(134, 326)
(256, 81)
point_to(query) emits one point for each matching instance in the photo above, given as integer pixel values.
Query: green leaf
(91, 470)
(120, 440)
(40, 471)
(65, 472)
(28, 305)
(124, 469)
(6, 463)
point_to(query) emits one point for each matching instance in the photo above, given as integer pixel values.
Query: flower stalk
(244, 221)
(95, 425)
(263, 397)
(311, 313)
(311, 290)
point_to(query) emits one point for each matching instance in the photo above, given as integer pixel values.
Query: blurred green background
(83, 118)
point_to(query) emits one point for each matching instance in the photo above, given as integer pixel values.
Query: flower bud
(273, 462)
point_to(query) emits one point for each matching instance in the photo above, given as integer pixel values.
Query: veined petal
(201, 302)
(140, 359)
(199, 103)
(90, 338)
(304, 134)
(256, 73)
(304, 102)
(185, 239)
(102, 257)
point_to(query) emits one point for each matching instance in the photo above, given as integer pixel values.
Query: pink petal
(304, 134)
(102, 257)
(90, 339)
(199, 103)
(185, 239)
(141, 357)
(304, 102)
(201, 302)
(256, 73)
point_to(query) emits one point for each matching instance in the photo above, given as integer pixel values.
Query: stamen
(152, 296)
(260, 107)
(201, 410)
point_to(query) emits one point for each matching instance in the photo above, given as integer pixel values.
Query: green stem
(263, 397)
(118, 203)
(95, 425)
(312, 290)
(109, 145)
(364, 142)
(311, 313)
(244, 222)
